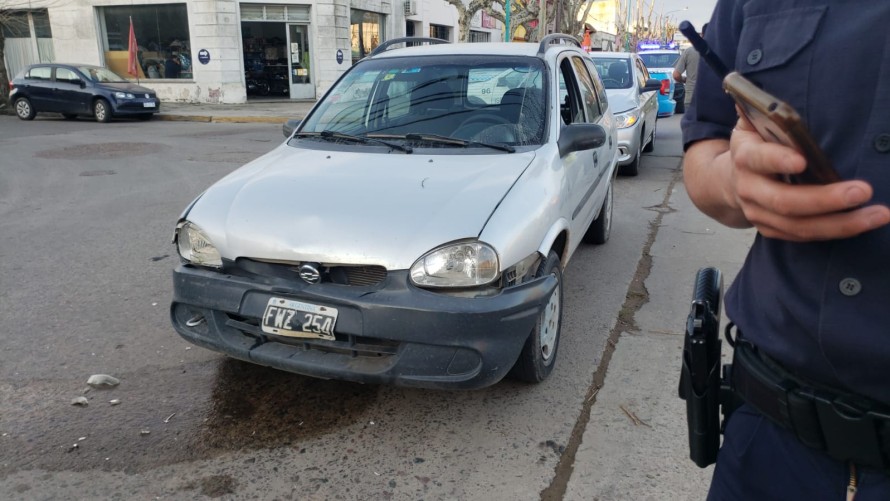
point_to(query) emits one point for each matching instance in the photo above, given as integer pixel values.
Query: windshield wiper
(330, 134)
(456, 141)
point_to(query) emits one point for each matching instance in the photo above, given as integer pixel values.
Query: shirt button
(882, 143)
(755, 56)
(850, 287)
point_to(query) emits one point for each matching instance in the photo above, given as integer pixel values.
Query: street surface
(87, 213)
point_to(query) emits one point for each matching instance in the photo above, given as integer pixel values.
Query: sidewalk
(275, 111)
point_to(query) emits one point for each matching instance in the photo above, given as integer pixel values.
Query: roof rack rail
(389, 43)
(553, 37)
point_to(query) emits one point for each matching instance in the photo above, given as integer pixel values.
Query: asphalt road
(86, 216)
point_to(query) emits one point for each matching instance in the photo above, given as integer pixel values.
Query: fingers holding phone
(796, 212)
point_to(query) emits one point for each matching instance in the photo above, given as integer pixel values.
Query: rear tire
(538, 356)
(102, 111)
(601, 227)
(24, 110)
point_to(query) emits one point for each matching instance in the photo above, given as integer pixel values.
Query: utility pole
(556, 17)
(542, 20)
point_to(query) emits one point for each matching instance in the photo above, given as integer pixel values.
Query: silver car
(634, 100)
(414, 228)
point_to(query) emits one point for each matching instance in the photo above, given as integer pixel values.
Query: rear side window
(40, 73)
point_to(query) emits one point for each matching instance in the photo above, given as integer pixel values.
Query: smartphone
(775, 120)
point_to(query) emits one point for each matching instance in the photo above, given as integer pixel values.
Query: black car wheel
(538, 355)
(650, 146)
(69, 116)
(24, 110)
(102, 110)
(599, 230)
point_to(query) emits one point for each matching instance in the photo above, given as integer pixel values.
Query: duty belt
(846, 427)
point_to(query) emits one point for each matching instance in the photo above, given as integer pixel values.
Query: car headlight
(195, 247)
(628, 118)
(124, 95)
(465, 264)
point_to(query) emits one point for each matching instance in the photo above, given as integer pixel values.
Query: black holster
(701, 384)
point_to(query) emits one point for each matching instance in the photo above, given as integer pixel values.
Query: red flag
(131, 58)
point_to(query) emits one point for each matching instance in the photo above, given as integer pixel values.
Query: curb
(222, 119)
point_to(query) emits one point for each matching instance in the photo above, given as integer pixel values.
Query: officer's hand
(795, 212)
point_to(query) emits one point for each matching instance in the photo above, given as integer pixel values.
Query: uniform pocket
(772, 40)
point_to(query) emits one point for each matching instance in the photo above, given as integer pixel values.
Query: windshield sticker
(411, 70)
(389, 76)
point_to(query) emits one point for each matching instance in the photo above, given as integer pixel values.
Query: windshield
(475, 98)
(615, 72)
(97, 74)
(659, 60)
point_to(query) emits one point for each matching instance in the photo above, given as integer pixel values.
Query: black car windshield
(659, 60)
(97, 74)
(615, 72)
(481, 99)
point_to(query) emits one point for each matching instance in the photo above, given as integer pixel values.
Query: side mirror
(290, 126)
(80, 82)
(578, 137)
(651, 85)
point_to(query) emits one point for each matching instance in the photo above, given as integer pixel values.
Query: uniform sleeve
(681, 62)
(712, 113)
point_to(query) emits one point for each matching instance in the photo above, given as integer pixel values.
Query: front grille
(359, 276)
(344, 344)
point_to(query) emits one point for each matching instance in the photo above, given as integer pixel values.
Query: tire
(145, 117)
(538, 355)
(599, 230)
(24, 110)
(69, 116)
(633, 168)
(651, 145)
(102, 111)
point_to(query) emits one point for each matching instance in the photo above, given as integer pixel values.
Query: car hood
(125, 87)
(340, 207)
(621, 100)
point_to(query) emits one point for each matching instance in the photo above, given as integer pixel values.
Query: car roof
(660, 51)
(527, 49)
(612, 55)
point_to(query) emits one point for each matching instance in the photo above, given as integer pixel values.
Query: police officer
(813, 296)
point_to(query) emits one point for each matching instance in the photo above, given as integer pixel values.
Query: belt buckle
(851, 433)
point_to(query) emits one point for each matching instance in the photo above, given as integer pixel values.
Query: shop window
(443, 32)
(162, 34)
(366, 31)
(29, 39)
(480, 36)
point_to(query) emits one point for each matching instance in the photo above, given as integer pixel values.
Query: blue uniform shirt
(822, 309)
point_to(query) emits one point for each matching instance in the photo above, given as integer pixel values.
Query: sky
(698, 12)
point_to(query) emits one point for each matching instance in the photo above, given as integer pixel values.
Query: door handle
(596, 159)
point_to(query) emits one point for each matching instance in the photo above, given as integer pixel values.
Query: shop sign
(339, 56)
(204, 56)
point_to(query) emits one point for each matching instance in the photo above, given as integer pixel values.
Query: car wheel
(599, 230)
(650, 146)
(69, 116)
(633, 168)
(24, 110)
(145, 117)
(102, 111)
(538, 355)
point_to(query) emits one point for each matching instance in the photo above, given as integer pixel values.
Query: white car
(414, 228)
(633, 97)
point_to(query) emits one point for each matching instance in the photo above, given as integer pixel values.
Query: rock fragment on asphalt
(80, 401)
(103, 381)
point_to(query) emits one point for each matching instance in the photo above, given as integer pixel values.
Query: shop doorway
(265, 59)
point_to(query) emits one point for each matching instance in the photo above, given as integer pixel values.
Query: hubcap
(22, 108)
(100, 111)
(550, 325)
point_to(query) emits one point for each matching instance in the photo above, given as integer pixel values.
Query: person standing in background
(688, 63)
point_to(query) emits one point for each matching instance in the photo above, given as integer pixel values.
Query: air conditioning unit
(410, 7)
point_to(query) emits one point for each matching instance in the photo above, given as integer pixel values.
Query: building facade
(225, 51)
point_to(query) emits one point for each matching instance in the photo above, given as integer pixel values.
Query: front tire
(601, 227)
(24, 110)
(102, 111)
(538, 356)
(650, 146)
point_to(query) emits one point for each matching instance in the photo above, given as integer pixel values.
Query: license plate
(148, 105)
(286, 317)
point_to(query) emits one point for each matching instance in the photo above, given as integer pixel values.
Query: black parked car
(79, 89)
